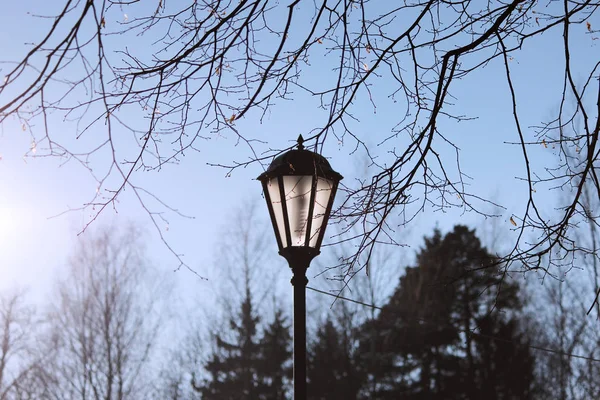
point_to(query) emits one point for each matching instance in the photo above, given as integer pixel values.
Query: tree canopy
(455, 327)
(434, 339)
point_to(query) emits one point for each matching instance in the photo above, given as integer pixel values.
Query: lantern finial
(300, 142)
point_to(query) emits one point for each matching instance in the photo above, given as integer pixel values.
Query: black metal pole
(299, 282)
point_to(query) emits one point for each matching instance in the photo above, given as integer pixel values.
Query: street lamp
(299, 187)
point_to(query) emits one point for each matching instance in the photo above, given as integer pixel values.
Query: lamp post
(299, 187)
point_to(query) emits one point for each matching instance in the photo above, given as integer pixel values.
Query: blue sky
(34, 247)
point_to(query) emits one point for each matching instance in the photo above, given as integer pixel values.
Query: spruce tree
(505, 365)
(332, 371)
(274, 367)
(233, 367)
(250, 366)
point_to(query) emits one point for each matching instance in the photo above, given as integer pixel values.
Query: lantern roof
(300, 162)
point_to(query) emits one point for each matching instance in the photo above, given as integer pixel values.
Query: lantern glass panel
(297, 197)
(324, 188)
(275, 196)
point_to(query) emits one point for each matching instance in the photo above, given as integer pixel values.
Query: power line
(345, 298)
(531, 346)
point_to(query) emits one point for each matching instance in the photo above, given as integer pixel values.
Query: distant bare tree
(20, 361)
(562, 327)
(171, 73)
(176, 373)
(243, 260)
(105, 322)
(565, 312)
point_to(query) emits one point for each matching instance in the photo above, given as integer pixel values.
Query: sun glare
(9, 225)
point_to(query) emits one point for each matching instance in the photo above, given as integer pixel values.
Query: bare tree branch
(146, 91)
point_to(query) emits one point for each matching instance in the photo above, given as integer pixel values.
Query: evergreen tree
(332, 371)
(505, 365)
(233, 367)
(407, 342)
(274, 368)
(424, 340)
(250, 366)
